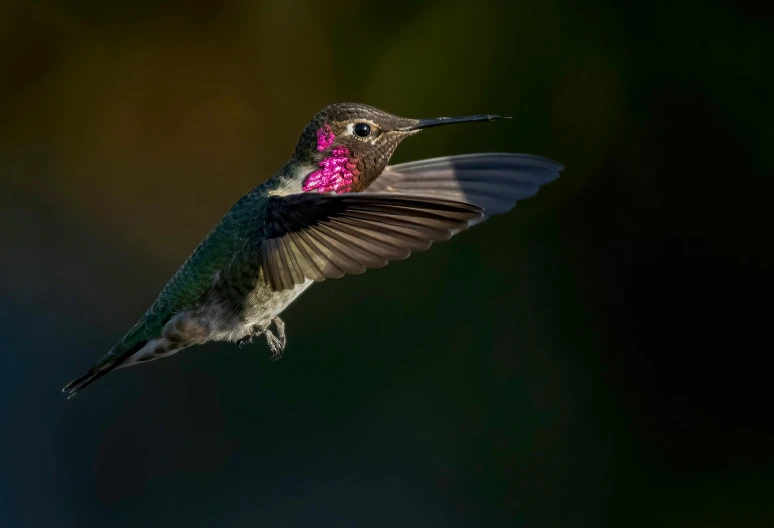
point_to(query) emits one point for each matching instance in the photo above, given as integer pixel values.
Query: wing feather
(322, 236)
(494, 181)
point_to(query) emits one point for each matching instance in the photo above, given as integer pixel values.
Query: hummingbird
(336, 208)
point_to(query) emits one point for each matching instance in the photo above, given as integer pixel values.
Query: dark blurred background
(601, 356)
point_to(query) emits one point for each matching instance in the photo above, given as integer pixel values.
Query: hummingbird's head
(349, 145)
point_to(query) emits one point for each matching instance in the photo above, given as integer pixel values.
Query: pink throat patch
(338, 172)
(325, 137)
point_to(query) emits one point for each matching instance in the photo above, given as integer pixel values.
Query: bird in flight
(336, 208)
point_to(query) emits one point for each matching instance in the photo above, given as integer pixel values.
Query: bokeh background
(601, 356)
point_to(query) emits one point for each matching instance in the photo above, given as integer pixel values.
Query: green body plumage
(223, 269)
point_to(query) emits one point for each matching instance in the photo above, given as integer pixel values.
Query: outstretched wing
(325, 236)
(493, 181)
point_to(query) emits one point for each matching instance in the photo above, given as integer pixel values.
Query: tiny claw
(277, 343)
(254, 331)
(274, 345)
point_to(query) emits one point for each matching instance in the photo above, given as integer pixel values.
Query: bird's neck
(290, 179)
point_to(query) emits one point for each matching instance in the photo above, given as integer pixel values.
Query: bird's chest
(263, 304)
(230, 320)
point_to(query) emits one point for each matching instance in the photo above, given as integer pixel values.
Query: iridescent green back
(236, 235)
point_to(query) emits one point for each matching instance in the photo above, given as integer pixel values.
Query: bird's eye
(362, 130)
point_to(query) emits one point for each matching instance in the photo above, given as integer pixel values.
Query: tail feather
(110, 361)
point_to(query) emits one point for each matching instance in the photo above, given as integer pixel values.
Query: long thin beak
(427, 123)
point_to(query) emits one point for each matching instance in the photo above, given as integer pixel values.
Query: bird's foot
(276, 342)
(274, 346)
(279, 324)
(255, 330)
